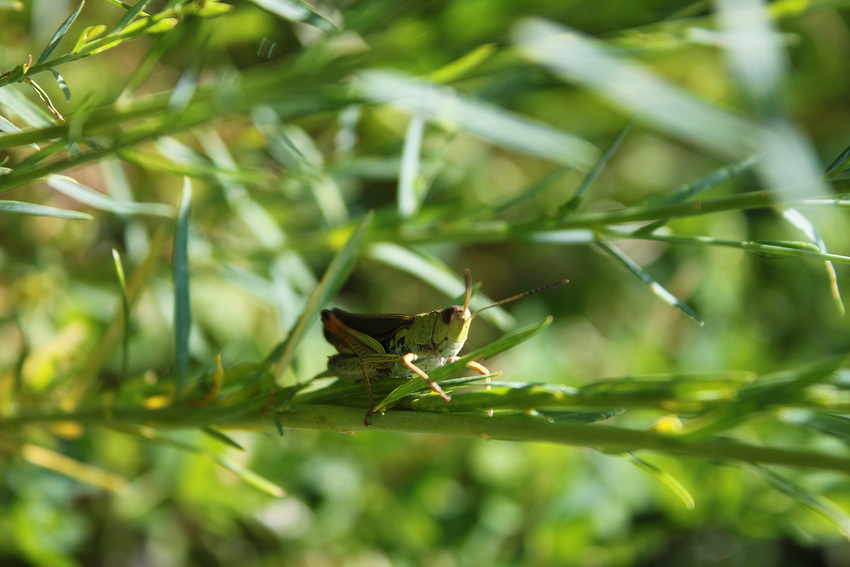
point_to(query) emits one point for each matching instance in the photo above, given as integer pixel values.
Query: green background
(311, 159)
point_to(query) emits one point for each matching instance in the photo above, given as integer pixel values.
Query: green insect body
(377, 346)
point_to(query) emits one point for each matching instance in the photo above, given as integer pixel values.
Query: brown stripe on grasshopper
(376, 346)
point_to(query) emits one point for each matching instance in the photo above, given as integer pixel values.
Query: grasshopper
(377, 346)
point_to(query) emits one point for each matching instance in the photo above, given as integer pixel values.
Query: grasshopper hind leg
(408, 359)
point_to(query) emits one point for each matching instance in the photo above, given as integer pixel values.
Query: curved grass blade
(182, 305)
(666, 478)
(103, 202)
(60, 33)
(654, 286)
(20, 208)
(336, 274)
(24, 108)
(805, 226)
(463, 65)
(502, 344)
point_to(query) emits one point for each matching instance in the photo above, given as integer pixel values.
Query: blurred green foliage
(467, 131)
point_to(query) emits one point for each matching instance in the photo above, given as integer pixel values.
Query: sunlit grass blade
(433, 272)
(657, 289)
(767, 248)
(502, 344)
(476, 117)
(60, 33)
(664, 477)
(20, 208)
(125, 308)
(577, 198)
(26, 110)
(182, 302)
(72, 468)
(463, 65)
(251, 478)
(335, 276)
(103, 202)
(298, 11)
(577, 58)
(808, 499)
(411, 185)
(805, 226)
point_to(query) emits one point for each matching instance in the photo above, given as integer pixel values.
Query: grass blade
(578, 196)
(125, 308)
(20, 208)
(654, 286)
(60, 33)
(488, 122)
(577, 58)
(411, 186)
(336, 274)
(103, 202)
(182, 306)
(666, 478)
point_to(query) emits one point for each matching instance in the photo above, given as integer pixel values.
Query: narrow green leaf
(90, 33)
(60, 33)
(666, 478)
(182, 306)
(219, 436)
(705, 183)
(125, 308)
(335, 276)
(130, 15)
(656, 288)
(578, 196)
(489, 122)
(807, 498)
(840, 165)
(103, 202)
(20, 208)
(411, 186)
(6, 126)
(463, 65)
(60, 80)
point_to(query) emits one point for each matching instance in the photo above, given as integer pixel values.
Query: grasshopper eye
(451, 313)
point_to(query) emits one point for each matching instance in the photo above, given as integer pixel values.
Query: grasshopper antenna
(520, 295)
(467, 277)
